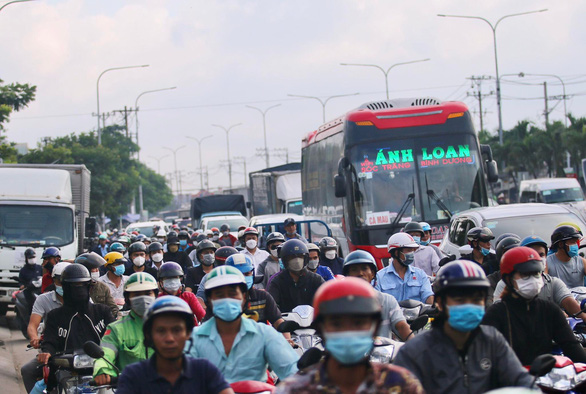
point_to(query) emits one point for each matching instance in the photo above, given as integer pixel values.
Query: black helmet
(460, 274)
(292, 248)
(155, 247)
(137, 247)
(506, 244)
(75, 273)
(563, 233)
(359, 257)
(327, 243)
(90, 260)
(225, 227)
(30, 253)
(503, 236)
(273, 237)
(205, 244)
(414, 227)
(223, 253)
(166, 305)
(169, 270)
(173, 240)
(183, 234)
(141, 237)
(479, 234)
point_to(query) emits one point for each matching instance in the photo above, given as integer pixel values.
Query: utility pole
(124, 112)
(546, 113)
(285, 153)
(207, 179)
(242, 160)
(477, 82)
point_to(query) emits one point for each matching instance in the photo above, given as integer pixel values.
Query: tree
(13, 97)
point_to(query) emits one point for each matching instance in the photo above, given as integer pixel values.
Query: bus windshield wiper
(431, 194)
(403, 209)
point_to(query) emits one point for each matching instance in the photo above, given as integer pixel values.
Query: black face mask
(76, 297)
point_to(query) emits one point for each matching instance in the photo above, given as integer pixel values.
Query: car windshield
(234, 222)
(442, 173)
(562, 195)
(539, 225)
(24, 225)
(146, 230)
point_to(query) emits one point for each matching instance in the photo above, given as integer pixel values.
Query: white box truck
(276, 190)
(41, 205)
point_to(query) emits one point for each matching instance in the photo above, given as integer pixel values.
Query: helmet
(215, 230)
(166, 305)
(521, 259)
(200, 238)
(359, 257)
(155, 247)
(311, 246)
(250, 230)
(564, 233)
(75, 273)
(292, 248)
(459, 274)
(240, 261)
(225, 227)
(327, 243)
(413, 227)
(103, 236)
(346, 296)
(90, 260)
(124, 239)
(161, 233)
(172, 240)
(208, 232)
(505, 244)
(140, 281)
(114, 258)
(137, 247)
(117, 247)
(223, 253)
(425, 226)
(274, 237)
(51, 252)
(30, 253)
(505, 235)
(224, 275)
(170, 269)
(534, 240)
(240, 234)
(172, 234)
(479, 234)
(58, 269)
(401, 240)
(183, 234)
(141, 237)
(205, 244)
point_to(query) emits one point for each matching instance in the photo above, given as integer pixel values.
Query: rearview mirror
(93, 350)
(339, 186)
(492, 172)
(90, 227)
(419, 323)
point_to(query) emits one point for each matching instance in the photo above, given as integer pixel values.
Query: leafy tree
(13, 97)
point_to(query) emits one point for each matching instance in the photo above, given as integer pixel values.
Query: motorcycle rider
(155, 250)
(30, 270)
(347, 315)
(425, 256)
(123, 340)
(328, 256)
(227, 239)
(114, 277)
(313, 264)
(400, 279)
(426, 240)
(240, 348)
(184, 239)
(251, 242)
(206, 256)
(170, 278)
(222, 255)
(271, 265)
(51, 256)
(565, 263)
(479, 239)
(99, 292)
(529, 323)
(102, 247)
(167, 326)
(361, 264)
(294, 285)
(458, 355)
(291, 230)
(174, 254)
(137, 255)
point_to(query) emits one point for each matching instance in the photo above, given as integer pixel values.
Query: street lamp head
(521, 74)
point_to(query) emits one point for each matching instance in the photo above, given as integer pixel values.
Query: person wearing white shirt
(251, 247)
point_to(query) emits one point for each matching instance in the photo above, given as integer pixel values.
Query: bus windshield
(434, 176)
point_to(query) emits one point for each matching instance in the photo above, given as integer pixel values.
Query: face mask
(249, 281)
(208, 259)
(95, 275)
(77, 297)
(172, 285)
(312, 265)
(529, 288)
(215, 237)
(291, 234)
(183, 242)
(573, 250)
(140, 304)
(349, 347)
(157, 257)
(173, 248)
(251, 243)
(274, 253)
(226, 233)
(424, 243)
(138, 261)
(409, 258)
(32, 261)
(119, 270)
(227, 309)
(295, 264)
(465, 317)
(330, 254)
(417, 239)
(59, 290)
(484, 251)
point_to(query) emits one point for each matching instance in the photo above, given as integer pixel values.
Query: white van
(551, 190)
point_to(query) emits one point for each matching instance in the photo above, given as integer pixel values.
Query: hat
(289, 221)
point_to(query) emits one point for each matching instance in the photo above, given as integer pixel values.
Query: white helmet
(401, 240)
(161, 233)
(58, 268)
(208, 232)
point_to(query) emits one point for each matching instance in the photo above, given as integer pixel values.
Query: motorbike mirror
(419, 323)
(542, 365)
(310, 357)
(93, 350)
(288, 326)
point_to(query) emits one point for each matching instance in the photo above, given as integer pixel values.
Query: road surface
(13, 355)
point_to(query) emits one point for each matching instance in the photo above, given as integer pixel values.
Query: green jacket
(123, 344)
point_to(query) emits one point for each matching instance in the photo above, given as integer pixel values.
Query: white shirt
(258, 257)
(117, 292)
(427, 259)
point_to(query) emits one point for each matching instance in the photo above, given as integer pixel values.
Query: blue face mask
(119, 270)
(59, 290)
(484, 251)
(573, 250)
(249, 281)
(349, 347)
(424, 243)
(465, 317)
(227, 309)
(183, 242)
(417, 239)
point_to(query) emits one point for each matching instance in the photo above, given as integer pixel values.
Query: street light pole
(496, 64)
(227, 130)
(264, 127)
(98, 94)
(158, 159)
(522, 74)
(136, 109)
(323, 102)
(12, 2)
(199, 141)
(385, 72)
(175, 160)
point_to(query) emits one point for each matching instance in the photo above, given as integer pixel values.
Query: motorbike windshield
(25, 225)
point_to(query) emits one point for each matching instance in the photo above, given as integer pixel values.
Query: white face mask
(330, 254)
(95, 275)
(157, 257)
(32, 261)
(215, 238)
(312, 265)
(275, 252)
(251, 243)
(529, 288)
(138, 261)
(226, 233)
(172, 285)
(295, 264)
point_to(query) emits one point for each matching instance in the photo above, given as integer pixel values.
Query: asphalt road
(13, 355)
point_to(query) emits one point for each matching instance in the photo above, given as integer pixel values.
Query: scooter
(565, 377)
(298, 323)
(414, 310)
(69, 373)
(23, 303)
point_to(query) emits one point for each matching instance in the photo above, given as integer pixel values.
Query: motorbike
(298, 323)
(23, 303)
(69, 373)
(565, 377)
(414, 310)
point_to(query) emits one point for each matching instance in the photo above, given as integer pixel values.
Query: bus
(384, 164)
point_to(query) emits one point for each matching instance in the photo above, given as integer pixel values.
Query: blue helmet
(51, 252)
(117, 247)
(460, 274)
(533, 240)
(292, 248)
(359, 257)
(166, 305)
(240, 261)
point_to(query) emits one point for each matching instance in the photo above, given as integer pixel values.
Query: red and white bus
(372, 170)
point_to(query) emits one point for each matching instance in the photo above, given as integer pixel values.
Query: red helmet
(215, 230)
(521, 259)
(346, 296)
(250, 230)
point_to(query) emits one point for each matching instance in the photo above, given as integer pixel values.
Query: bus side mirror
(492, 172)
(340, 186)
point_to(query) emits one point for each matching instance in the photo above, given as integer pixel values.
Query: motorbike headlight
(82, 361)
(562, 379)
(382, 354)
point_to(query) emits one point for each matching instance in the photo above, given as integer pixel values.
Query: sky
(224, 55)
